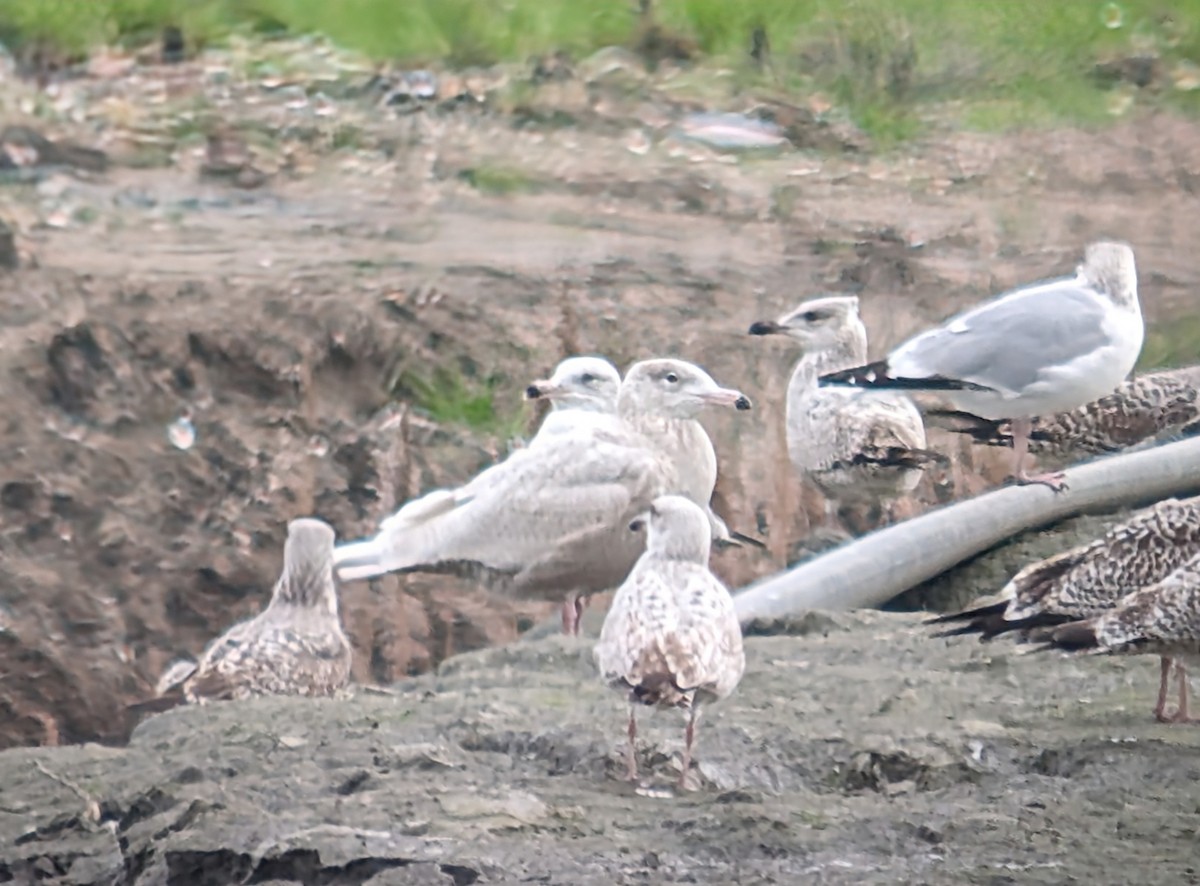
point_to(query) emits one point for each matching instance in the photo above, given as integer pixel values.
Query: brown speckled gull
(1162, 619)
(671, 637)
(295, 646)
(852, 444)
(1092, 578)
(552, 520)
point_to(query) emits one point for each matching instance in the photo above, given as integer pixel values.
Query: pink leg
(689, 737)
(1182, 715)
(1021, 429)
(581, 604)
(570, 615)
(631, 751)
(1160, 709)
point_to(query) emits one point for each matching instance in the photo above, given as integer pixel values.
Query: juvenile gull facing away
(853, 444)
(1038, 350)
(1162, 619)
(552, 520)
(671, 637)
(1142, 409)
(1091, 579)
(295, 646)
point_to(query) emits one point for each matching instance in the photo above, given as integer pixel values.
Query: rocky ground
(273, 251)
(857, 750)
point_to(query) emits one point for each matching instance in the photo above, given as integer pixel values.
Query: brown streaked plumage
(1141, 410)
(1162, 619)
(854, 445)
(671, 637)
(295, 646)
(1089, 579)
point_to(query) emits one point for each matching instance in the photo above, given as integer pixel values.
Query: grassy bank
(1016, 62)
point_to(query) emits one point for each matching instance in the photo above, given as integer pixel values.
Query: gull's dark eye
(812, 316)
(587, 378)
(672, 377)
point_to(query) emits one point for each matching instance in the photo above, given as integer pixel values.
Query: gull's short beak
(542, 388)
(765, 327)
(727, 397)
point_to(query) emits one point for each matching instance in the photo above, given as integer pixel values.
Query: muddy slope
(857, 751)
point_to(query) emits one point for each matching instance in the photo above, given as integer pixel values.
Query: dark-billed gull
(296, 646)
(671, 637)
(581, 391)
(1162, 619)
(1141, 410)
(855, 445)
(551, 521)
(1090, 579)
(1038, 350)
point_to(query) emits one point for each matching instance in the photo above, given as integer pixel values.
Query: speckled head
(666, 388)
(307, 578)
(823, 323)
(588, 383)
(1109, 266)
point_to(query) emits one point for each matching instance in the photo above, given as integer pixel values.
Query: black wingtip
(877, 375)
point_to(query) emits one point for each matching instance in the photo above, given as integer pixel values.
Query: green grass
(1171, 344)
(451, 398)
(892, 63)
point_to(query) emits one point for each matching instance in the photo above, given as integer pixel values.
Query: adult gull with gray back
(552, 520)
(1044, 348)
(671, 637)
(852, 444)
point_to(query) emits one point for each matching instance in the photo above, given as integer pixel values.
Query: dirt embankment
(857, 750)
(278, 318)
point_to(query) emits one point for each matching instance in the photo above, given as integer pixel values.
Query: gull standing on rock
(1041, 349)
(296, 646)
(1091, 579)
(552, 519)
(852, 444)
(671, 637)
(1162, 619)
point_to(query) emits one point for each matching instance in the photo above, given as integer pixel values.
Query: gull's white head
(677, 529)
(820, 324)
(589, 383)
(307, 578)
(675, 389)
(1109, 266)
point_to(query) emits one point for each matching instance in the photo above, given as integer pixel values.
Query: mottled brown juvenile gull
(1162, 619)
(1141, 410)
(1041, 349)
(1092, 578)
(671, 637)
(552, 521)
(853, 444)
(295, 646)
